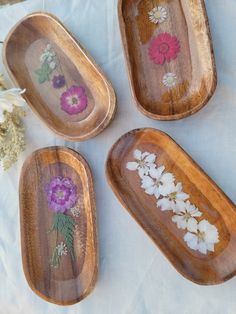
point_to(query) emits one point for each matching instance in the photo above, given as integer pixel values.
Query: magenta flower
(58, 81)
(164, 47)
(61, 194)
(74, 100)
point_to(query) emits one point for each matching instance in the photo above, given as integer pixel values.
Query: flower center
(74, 100)
(201, 236)
(172, 196)
(187, 216)
(163, 48)
(157, 15)
(60, 194)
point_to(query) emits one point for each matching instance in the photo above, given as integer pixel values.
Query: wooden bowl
(64, 86)
(211, 267)
(170, 64)
(52, 223)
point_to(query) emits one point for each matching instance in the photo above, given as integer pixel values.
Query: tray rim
(146, 231)
(144, 111)
(111, 92)
(83, 161)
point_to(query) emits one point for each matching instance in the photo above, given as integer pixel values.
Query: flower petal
(132, 166)
(192, 225)
(137, 154)
(147, 182)
(150, 158)
(164, 204)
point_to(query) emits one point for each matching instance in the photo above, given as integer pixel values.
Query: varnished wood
(75, 278)
(194, 65)
(4, 2)
(22, 49)
(213, 268)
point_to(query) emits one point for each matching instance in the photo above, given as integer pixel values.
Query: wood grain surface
(74, 279)
(213, 268)
(21, 55)
(194, 64)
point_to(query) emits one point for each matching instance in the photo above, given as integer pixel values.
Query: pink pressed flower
(74, 100)
(163, 48)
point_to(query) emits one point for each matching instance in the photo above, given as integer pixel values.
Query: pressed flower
(143, 163)
(204, 239)
(186, 218)
(58, 81)
(75, 211)
(175, 198)
(61, 194)
(8, 99)
(157, 182)
(169, 80)
(164, 47)
(74, 100)
(158, 15)
(61, 249)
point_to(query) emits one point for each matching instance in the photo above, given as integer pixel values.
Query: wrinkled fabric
(134, 276)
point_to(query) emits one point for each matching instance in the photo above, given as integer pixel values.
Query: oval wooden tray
(58, 214)
(180, 45)
(64, 86)
(202, 268)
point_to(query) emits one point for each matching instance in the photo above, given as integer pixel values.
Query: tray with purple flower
(64, 86)
(58, 225)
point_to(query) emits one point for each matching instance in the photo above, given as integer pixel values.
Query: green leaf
(55, 260)
(43, 73)
(66, 225)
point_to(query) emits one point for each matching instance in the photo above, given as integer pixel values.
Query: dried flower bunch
(12, 139)
(156, 181)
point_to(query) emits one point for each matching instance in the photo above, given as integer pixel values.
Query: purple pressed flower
(74, 100)
(61, 194)
(58, 81)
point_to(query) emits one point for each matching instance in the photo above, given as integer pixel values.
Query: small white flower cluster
(49, 56)
(75, 211)
(61, 249)
(201, 236)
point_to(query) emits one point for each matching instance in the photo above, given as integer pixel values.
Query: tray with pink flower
(169, 56)
(182, 210)
(58, 225)
(64, 86)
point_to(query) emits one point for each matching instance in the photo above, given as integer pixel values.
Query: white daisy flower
(143, 163)
(204, 239)
(175, 198)
(158, 15)
(185, 219)
(169, 80)
(8, 99)
(158, 181)
(61, 249)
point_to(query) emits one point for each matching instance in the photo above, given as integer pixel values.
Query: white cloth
(134, 276)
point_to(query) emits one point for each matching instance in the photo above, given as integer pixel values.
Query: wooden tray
(64, 86)
(217, 211)
(58, 225)
(171, 64)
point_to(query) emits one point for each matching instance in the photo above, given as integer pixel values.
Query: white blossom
(169, 80)
(158, 15)
(175, 198)
(158, 181)
(186, 218)
(8, 99)
(143, 163)
(61, 249)
(204, 238)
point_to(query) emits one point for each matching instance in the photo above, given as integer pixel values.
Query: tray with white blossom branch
(184, 212)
